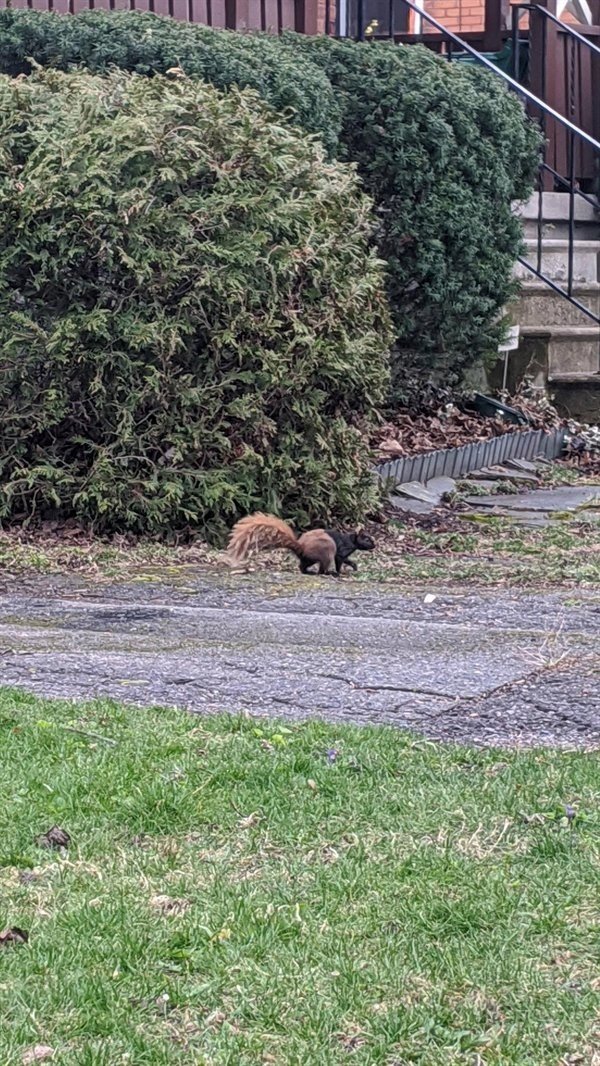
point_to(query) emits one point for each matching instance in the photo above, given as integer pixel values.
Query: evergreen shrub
(444, 150)
(192, 319)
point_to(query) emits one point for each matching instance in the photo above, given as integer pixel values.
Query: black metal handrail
(576, 39)
(463, 46)
(564, 26)
(543, 112)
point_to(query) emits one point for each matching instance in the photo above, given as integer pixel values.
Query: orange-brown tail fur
(258, 531)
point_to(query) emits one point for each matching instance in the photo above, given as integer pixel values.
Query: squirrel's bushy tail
(259, 531)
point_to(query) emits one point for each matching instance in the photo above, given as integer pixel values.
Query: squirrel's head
(363, 542)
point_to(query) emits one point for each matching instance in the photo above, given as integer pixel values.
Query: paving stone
(485, 474)
(504, 473)
(416, 491)
(440, 487)
(501, 473)
(522, 464)
(567, 498)
(404, 503)
(535, 519)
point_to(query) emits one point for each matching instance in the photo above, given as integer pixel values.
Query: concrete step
(573, 352)
(574, 379)
(555, 260)
(583, 332)
(539, 306)
(583, 231)
(555, 208)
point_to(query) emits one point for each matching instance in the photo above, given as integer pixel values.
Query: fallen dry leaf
(215, 1019)
(168, 905)
(37, 1053)
(28, 877)
(14, 935)
(55, 838)
(352, 1040)
(249, 820)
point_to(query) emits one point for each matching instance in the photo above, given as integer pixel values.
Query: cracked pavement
(491, 667)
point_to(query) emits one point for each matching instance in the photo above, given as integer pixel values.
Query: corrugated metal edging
(454, 462)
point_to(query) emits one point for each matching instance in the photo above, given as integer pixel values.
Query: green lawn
(234, 894)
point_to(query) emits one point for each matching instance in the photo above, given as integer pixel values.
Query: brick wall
(457, 15)
(325, 14)
(467, 16)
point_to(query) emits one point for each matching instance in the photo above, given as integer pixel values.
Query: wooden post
(595, 88)
(546, 80)
(300, 11)
(492, 31)
(231, 14)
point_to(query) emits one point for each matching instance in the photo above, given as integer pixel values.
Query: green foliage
(235, 895)
(444, 150)
(190, 317)
(148, 44)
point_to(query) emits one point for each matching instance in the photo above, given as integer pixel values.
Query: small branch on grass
(91, 736)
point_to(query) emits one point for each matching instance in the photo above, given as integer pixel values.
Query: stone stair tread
(581, 377)
(560, 243)
(590, 332)
(537, 285)
(556, 208)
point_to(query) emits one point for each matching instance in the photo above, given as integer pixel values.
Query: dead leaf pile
(449, 427)
(442, 421)
(438, 418)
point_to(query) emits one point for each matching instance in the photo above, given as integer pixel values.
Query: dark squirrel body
(345, 546)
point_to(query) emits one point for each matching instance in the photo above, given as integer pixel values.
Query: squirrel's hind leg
(326, 569)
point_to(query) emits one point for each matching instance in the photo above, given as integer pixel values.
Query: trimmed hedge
(190, 316)
(149, 44)
(444, 150)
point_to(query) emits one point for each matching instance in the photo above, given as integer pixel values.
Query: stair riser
(573, 355)
(546, 308)
(556, 208)
(555, 264)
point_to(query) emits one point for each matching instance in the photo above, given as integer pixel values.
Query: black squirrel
(327, 547)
